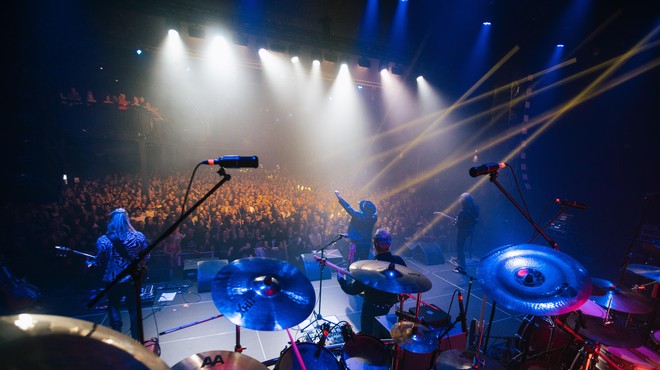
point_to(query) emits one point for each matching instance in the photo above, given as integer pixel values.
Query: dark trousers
(115, 295)
(461, 240)
(368, 317)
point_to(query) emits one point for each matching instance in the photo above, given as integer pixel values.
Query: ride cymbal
(219, 360)
(261, 293)
(414, 337)
(534, 279)
(607, 333)
(609, 295)
(389, 277)
(36, 341)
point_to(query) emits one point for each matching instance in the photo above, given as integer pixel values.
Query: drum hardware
(319, 317)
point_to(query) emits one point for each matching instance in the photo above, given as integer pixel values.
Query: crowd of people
(258, 213)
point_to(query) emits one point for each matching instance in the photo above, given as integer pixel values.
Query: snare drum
(640, 358)
(325, 360)
(364, 351)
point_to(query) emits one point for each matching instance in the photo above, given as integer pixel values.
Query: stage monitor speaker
(313, 268)
(206, 271)
(427, 253)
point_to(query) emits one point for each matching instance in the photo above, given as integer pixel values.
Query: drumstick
(295, 349)
(339, 269)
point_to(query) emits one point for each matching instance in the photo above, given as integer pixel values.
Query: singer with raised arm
(360, 228)
(376, 302)
(116, 249)
(465, 222)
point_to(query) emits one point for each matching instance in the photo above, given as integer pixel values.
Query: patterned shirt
(134, 242)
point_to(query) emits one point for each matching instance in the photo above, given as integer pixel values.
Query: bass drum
(325, 360)
(364, 351)
(542, 340)
(640, 358)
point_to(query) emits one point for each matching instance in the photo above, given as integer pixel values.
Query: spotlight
(486, 23)
(364, 62)
(344, 59)
(172, 25)
(383, 66)
(560, 45)
(294, 50)
(316, 55)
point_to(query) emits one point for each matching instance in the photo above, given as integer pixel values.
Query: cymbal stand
(238, 347)
(319, 317)
(493, 179)
(134, 267)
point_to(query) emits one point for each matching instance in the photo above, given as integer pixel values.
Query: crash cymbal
(459, 359)
(605, 332)
(219, 360)
(35, 341)
(609, 295)
(414, 337)
(647, 271)
(534, 279)
(389, 277)
(261, 293)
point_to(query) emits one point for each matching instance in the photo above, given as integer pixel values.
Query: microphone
(234, 161)
(573, 204)
(486, 169)
(343, 235)
(462, 312)
(321, 343)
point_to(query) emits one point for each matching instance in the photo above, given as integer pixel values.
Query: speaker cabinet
(427, 253)
(313, 268)
(206, 271)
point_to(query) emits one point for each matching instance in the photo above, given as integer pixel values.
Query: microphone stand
(318, 315)
(133, 268)
(493, 179)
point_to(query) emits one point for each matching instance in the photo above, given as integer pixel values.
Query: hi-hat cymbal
(36, 341)
(534, 279)
(609, 295)
(414, 337)
(261, 293)
(607, 333)
(647, 271)
(389, 277)
(458, 359)
(219, 360)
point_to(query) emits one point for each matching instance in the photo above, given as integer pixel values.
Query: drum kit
(568, 322)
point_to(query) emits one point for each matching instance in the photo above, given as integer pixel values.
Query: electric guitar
(64, 252)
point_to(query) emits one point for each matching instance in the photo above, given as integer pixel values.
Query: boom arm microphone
(573, 204)
(486, 169)
(234, 161)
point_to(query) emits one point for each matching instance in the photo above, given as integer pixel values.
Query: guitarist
(115, 250)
